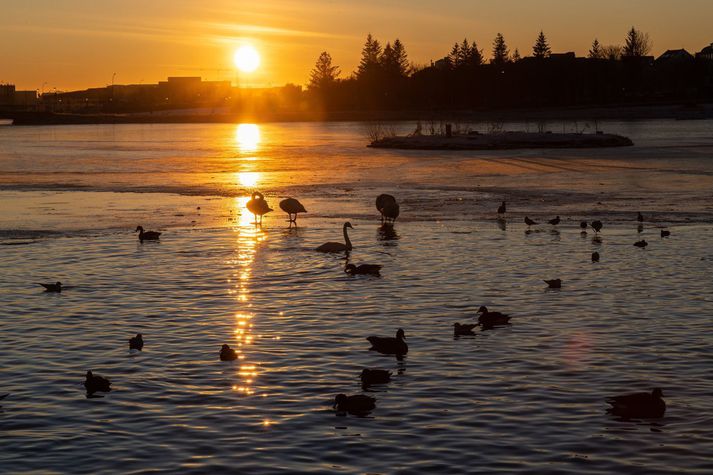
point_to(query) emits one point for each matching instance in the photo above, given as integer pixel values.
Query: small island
(501, 141)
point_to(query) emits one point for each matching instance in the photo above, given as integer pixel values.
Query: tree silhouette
(516, 56)
(454, 56)
(596, 50)
(501, 55)
(401, 58)
(474, 56)
(612, 52)
(324, 74)
(370, 57)
(637, 44)
(541, 49)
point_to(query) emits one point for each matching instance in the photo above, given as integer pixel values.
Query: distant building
(569, 56)
(10, 98)
(706, 54)
(675, 56)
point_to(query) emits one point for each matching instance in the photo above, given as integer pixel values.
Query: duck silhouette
(488, 319)
(292, 206)
(502, 209)
(595, 256)
(56, 287)
(597, 226)
(136, 343)
(389, 345)
(227, 353)
(554, 283)
(374, 376)
(530, 222)
(642, 244)
(338, 246)
(258, 206)
(583, 226)
(388, 207)
(464, 329)
(95, 383)
(357, 404)
(638, 405)
(555, 221)
(665, 233)
(363, 269)
(147, 235)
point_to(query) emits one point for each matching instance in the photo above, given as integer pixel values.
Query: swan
(388, 207)
(357, 404)
(389, 345)
(258, 206)
(292, 206)
(147, 235)
(638, 405)
(96, 383)
(338, 246)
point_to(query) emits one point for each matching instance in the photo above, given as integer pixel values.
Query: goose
(357, 404)
(258, 206)
(463, 330)
(363, 269)
(489, 319)
(555, 221)
(640, 217)
(502, 208)
(595, 256)
(136, 343)
(374, 376)
(554, 283)
(642, 244)
(597, 226)
(338, 246)
(638, 405)
(56, 287)
(96, 384)
(292, 206)
(147, 235)
(530, 222)
(227, 353)
(665, 233)
(388, 207)
(389, 345)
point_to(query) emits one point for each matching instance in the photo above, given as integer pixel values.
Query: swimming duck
(363, 269)
(292, 206)
(640, 217)
(136, 343)
(583, 226)
(641, 243)
(530, 222)
(502, 208)
(597, 226)
(595, 256)
(338, 246)
(463, 330)
(665, 233)
(638, 405)
(56, 287)
(96, 384)
(389, 345)
(555, 221)
(374, 376)
(258, 206)
(554, 283)
(227, 353)
(489, 319)
(388, 207)
(147, 235)
(357, 404)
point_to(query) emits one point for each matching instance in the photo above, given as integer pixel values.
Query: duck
(147, 235)
(641, 244)
(357, 404)
(463, 330)
(665, 233)
(489, 319)
(388, 207)
(338, 246)
(640, 217)
(363, 269)
(555, 221)
(258, 206)
(56, 287)
(227, 353)
(136, 343)
(597, 226)
(292, 206)
(96, 383)
(389, 345)
(530, 222)
(554, 283)
(583, 226)
(595, 256)
(502, 208)
(638, 405)
(374, 376)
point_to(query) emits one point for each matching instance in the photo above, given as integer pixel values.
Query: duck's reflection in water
(386, 232)
(502, 224)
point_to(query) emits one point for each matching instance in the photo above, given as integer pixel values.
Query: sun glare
(248, 179)
(248, 137)
(246, 59)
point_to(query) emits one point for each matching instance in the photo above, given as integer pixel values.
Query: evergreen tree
(596, 50)
(516, 56)
(370, 57)
(475, 56)
(464, 52)
(501, 55)
(401, 58)
(454, 56)
(541, 49)
(324, 73)
(637, 44)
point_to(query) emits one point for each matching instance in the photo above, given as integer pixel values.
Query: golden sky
(72, 44)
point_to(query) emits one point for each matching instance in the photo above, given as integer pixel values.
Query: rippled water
(525, 398)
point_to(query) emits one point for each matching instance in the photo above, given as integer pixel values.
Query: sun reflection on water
(247, 136)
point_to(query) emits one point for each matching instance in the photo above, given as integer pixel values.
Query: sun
(246, 59)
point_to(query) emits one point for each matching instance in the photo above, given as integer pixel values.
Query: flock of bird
(630, 406)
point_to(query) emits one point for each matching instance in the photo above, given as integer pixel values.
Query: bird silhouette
(488, 319)
(640, 217)
(464, 329)
(363, 269)
(357, 404)
(555, 221)
(258, 206)
(638, 405)
(136, 343)
(502, 208)
(227, 353)
(554, 283)
(388, 207)
(642, 244)
(95, 383)
(665, 233)
(530, 222)
(389, 345)
(338, 246)
(597, 226)
(374, 376)
(56, 287)
(292, 206)
(595, 256)
(583, 227)
(147, 235)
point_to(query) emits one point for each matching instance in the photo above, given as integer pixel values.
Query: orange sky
(72, 44)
